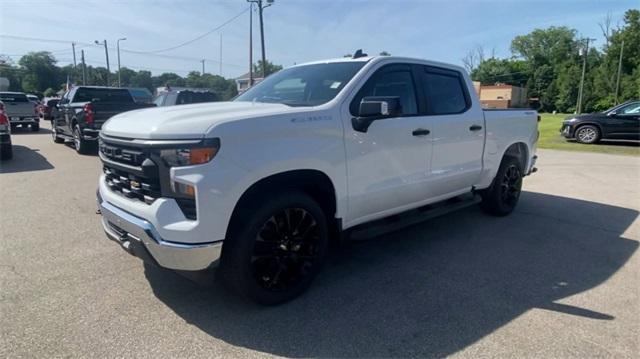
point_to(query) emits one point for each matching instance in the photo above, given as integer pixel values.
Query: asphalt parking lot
(558, 278)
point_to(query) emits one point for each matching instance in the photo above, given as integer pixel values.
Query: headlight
(571, 120)
(177, 157)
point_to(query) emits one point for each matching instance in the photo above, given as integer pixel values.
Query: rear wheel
(502, 197)
(55, 136)
(81, 145)
(587, 134)
(278, 249)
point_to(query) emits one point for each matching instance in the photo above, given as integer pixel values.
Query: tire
(265, 257)
(80, 144)
(55, 136)
(35, 127)
(502, 197)
(587, 134)
(6, 152)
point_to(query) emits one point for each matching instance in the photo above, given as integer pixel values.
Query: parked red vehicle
(6, 149)
(48, 109)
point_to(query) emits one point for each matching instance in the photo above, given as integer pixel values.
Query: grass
(550, 138)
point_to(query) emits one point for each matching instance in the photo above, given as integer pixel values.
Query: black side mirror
(374, 108)
(612, 113)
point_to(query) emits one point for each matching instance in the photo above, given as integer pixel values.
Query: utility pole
(250, 44)
(73, 46)
(84, 67)
(118, 48)
(220, 54)
(584, 70)
(261, 7)
(202, 66)
(619, 71)
(106, 53)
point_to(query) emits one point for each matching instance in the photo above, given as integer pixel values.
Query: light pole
(261, 7)
(584, 70)
(118, 48)
(106, 53)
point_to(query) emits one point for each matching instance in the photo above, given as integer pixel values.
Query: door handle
(419, 132)
(475, 128)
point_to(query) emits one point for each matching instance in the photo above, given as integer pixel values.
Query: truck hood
(186, 121)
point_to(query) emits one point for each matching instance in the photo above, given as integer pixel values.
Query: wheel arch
(519, 150)
(590, 123)
(315, 183)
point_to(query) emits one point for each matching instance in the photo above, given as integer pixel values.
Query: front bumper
(566, 130)
(140, 238)
(90, 134)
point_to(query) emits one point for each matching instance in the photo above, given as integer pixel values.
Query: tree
(40, 71)
(50, 92)
(269, 68)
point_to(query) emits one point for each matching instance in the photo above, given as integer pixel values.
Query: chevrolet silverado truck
(259, 186)
(20, 111)
(83, 110)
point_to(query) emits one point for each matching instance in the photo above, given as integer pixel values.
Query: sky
(296, 31)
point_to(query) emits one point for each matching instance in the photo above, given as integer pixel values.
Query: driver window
(632, 109)
(390, 81)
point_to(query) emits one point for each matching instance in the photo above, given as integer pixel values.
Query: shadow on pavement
(429, 290)
(25, 159)
(628, 143)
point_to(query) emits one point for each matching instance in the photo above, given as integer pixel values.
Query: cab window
(391, 80)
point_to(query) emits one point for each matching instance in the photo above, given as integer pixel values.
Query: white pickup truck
(260, 185)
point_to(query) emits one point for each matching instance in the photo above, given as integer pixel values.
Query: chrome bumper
(140, 238)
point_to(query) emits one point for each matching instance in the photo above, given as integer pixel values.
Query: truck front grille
(138, 173)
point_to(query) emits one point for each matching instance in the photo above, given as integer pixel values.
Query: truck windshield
(308, 85)
(86, 94)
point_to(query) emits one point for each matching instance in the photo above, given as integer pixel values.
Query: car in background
(6, 149)
(33, 98)
(621, 122)
(184, 97)
(20, 111)
(84, 109)
(49, 108)
(141, 94)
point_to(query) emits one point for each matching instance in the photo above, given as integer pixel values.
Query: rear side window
(445, 92)
(13, 97)
(102, 95)
(392, 80)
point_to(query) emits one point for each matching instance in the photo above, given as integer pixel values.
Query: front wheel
(502, 197)
(587, 134)
(276, 251)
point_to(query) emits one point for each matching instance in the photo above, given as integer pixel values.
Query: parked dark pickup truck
(84, 109)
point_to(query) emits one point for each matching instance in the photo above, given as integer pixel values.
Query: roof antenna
(359, 54)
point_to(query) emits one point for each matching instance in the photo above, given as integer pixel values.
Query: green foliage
(548, 63)
(37, 73)
(269, 68)
(50, 92)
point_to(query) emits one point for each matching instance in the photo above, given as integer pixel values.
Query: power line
(196, 38)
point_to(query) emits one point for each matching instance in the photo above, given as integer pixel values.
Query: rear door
(458, 131)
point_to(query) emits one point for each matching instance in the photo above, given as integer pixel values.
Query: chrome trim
(171, 255)
(141, 142)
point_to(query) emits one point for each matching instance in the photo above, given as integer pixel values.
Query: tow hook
(98, 211)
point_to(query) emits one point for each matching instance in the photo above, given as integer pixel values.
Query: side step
(410, 218)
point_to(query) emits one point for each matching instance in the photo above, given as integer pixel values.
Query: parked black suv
(84, 109)
(621, 122)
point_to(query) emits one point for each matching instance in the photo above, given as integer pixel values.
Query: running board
(410, 218)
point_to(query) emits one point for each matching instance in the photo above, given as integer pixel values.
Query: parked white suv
(263, 183)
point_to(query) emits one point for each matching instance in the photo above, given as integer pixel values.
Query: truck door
(458, 131)
(387, 165)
